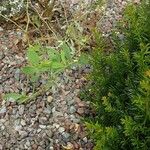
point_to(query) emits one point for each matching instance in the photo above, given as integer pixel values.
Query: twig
(28, 21)
(65, 13)
(12, 21)
(33, 96)
(41, 5)
(28, 18)
(50, 28)
(42, 90)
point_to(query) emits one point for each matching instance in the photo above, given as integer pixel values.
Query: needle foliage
(119, 87)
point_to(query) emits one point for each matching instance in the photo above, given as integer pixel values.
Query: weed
(49, 61)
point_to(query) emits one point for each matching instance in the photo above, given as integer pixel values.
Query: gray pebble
(23, 134)
(56, 114)
(1, 29)
(2, 127)
(21, 109)
(49, 133)
(1, 147)
(23, 122)
(39, 130)
(72, 109)
(61, 129)
(18, 127)
(47, 111)
(42, 126)
(85, 139)
(27, 144)
(65, 135)
(70, 101)
(43, 120)
(55, 125)
(3, 110)
(53, 109)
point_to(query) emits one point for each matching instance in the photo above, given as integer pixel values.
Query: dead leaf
(68, 147)
(76, 127)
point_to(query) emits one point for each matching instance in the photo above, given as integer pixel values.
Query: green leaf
(57, 65)
(34, 78)
(14, 96)
(36, 47)
(84, 59)
(45, 63)
(29, 70)
(63, 57)
(44, 66)
(53, 55)
(66, 50)
(32, 55)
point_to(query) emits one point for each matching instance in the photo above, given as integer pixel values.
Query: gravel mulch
(112, 14)
(52, 121)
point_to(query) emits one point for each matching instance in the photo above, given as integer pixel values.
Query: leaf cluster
(49, 62)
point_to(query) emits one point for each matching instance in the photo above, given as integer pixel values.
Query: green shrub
(120, 86)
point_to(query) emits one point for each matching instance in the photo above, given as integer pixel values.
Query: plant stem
(38, 93)
(12, 21)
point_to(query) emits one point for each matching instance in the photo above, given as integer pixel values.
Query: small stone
(72, 109)
(42, 120)
(49, 99)
(17, 74)
(18, 128)
(49, 133)
(79, 102)
(85, 139)
(33, 107)
(22, 122)
(11, 100)
(30, 129)
(75, 120)
(28, 143)
(80, 111)
(70, 101)
(21, 109)
(1, 124)
(2, 120)
(76, 145)
(47, 111)
(65, 135)
(1, 29)
(3, 110)
(53, 109)
(57, 113)
(23, 134)
(42, 126)
(39, 130)
(14, 111)
(34, 147)
(2, 128)
(66, 92)
(55, 125)
(39, 111)
(61, 129)
(17, 122)
(51, 148)
(1, 147)
(41, 104)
